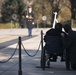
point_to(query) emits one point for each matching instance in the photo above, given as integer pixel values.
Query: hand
(62, 34)
(33, 23)
(26, 16)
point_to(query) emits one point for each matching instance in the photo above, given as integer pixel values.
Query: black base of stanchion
(19, 72)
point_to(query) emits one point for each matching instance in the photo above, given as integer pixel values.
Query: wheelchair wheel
(43, 59)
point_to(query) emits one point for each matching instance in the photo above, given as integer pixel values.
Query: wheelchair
(48, 50)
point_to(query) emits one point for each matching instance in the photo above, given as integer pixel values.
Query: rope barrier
(10, 57)
(20, 69)
(8, 60)
(8, 69)
(28, 53)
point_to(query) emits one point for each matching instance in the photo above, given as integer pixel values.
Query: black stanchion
(41, 39)
(20, 61)
(42, 50)
(43, 57)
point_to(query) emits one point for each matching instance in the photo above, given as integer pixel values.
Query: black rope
(17, 62)
(28, 53)
(10, 57)
(8, 69)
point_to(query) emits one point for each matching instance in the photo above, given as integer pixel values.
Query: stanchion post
(42, 50)
(20, 61)
(41, 39)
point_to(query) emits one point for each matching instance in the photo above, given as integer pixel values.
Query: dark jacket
(30, 19)
(53, 32)
(70, 43)
(53, 43)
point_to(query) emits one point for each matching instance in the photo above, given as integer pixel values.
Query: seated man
(53, 43)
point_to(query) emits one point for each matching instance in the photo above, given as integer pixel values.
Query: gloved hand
(33, 23)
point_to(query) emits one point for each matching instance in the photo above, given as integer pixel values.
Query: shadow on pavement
(29, 65)
(8, 43)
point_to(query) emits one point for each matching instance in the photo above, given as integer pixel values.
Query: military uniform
(30, 22)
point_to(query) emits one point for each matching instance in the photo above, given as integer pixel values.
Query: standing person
(22, 22)
(70, 44)
(30, 20)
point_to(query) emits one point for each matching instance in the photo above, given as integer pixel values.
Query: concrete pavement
(8, 43)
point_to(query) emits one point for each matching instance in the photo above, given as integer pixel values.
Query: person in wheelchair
(53, 44)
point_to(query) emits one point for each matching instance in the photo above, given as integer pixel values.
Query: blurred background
(9, 9)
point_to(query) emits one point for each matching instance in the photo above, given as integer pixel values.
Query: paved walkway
(8, 43)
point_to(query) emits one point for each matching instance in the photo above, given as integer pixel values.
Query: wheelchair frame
(43, 58)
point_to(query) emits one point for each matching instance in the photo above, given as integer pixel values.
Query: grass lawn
(8, 25)
(11, 25)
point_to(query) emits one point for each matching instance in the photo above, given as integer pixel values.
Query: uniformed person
(30, 20)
